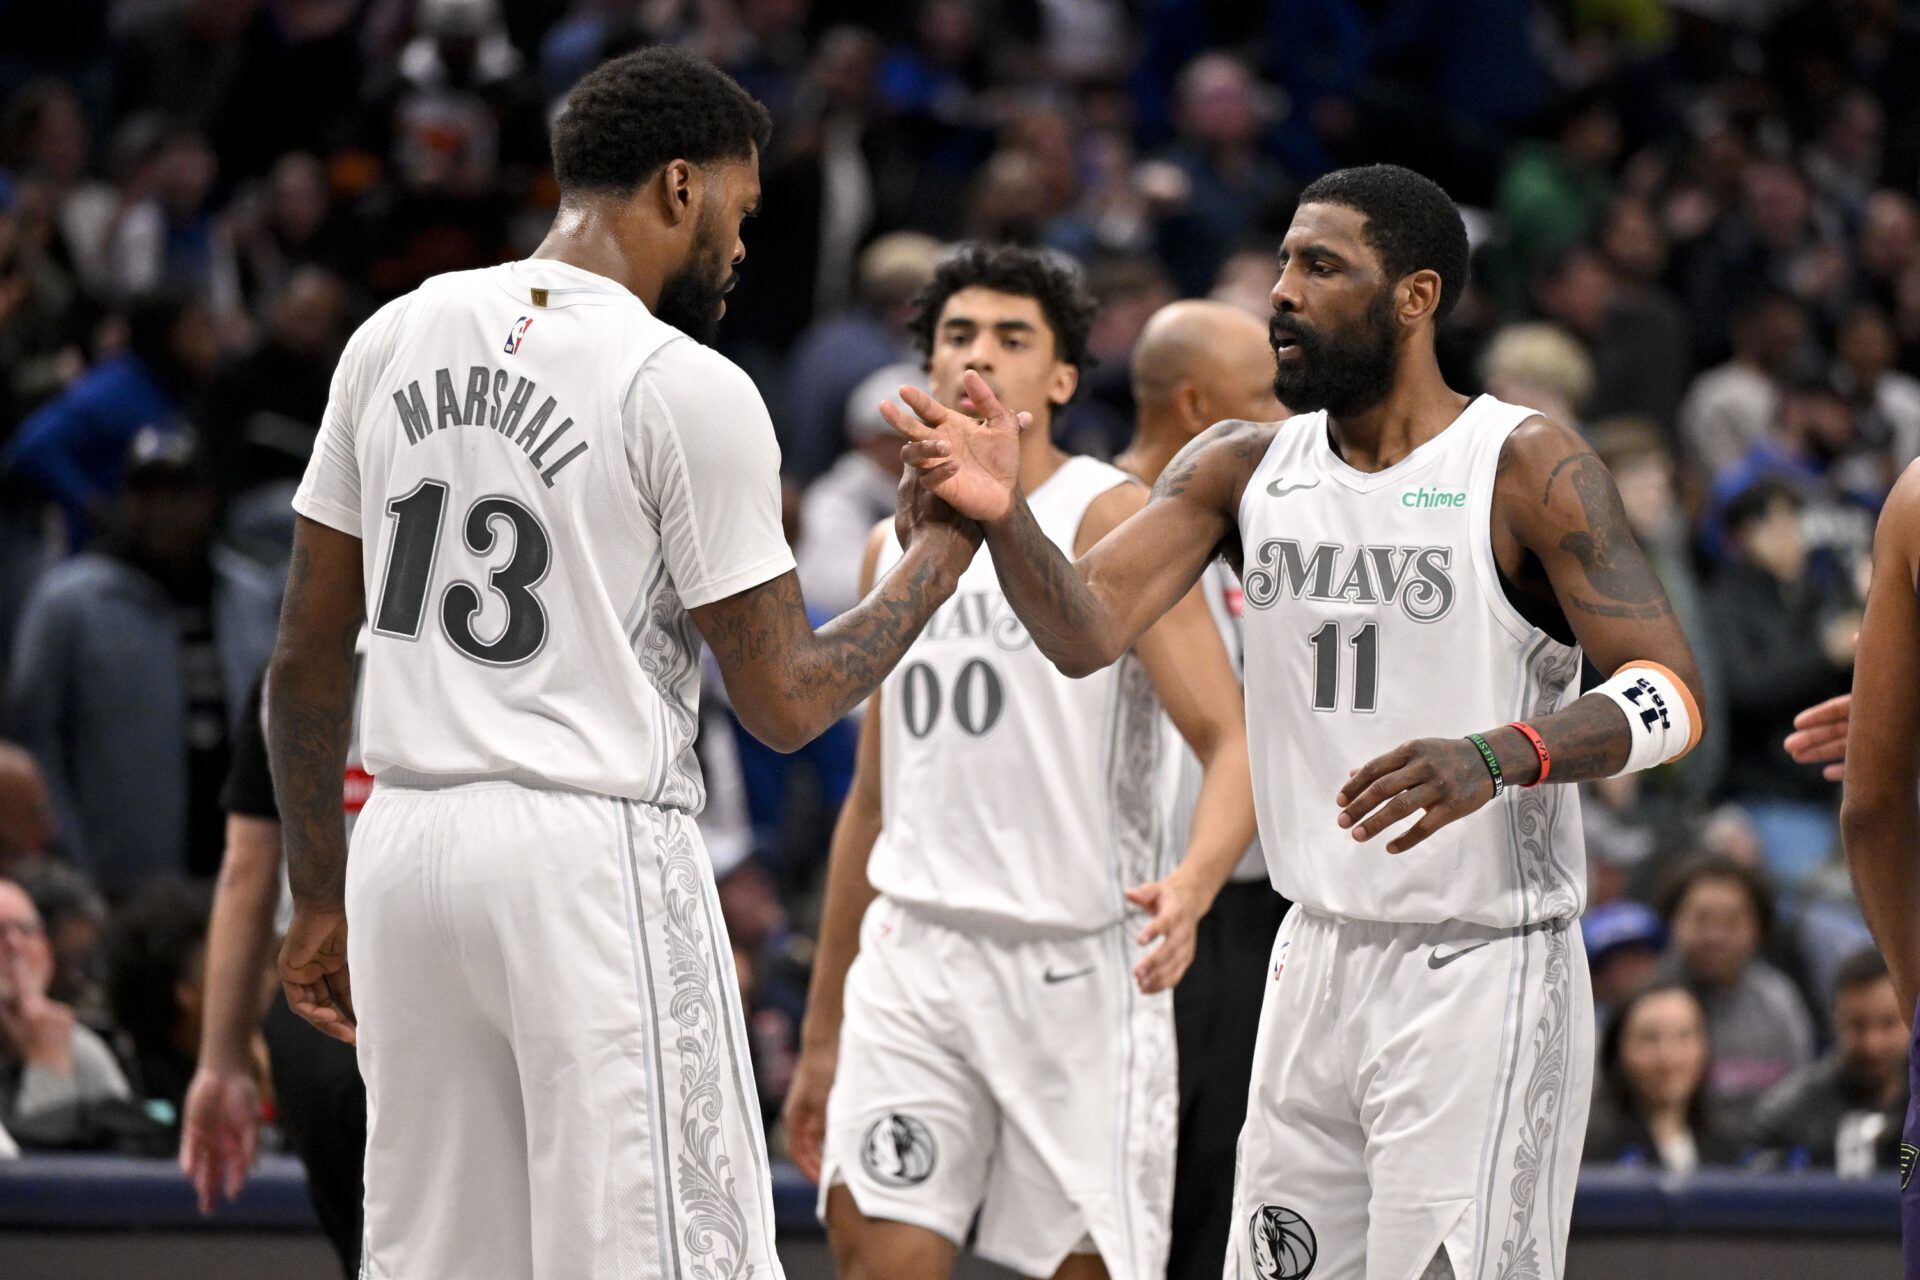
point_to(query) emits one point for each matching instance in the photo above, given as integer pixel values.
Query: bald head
(1201, 362)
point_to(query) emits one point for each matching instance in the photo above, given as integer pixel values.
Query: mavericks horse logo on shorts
(1282, 1243)
(898, 1151)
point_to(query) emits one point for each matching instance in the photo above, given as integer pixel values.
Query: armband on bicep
(1661, 713)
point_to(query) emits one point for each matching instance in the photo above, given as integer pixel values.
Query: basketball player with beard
(542, 491)
(985, 1036)
(1415, 563)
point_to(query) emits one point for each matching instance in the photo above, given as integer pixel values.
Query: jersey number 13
(414, 548)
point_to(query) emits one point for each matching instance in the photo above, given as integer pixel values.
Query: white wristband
(1661, 713)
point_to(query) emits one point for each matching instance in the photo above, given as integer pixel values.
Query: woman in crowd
(1651, 1108)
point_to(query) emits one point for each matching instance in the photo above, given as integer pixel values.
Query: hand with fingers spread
(1444, 776)
(1820, 736)
(971, 463)
(219, 1132)
(1176, 908)
(313, 970)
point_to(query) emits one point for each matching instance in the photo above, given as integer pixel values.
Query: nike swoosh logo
(1052, 977)
(1273, 487)
(1437, 961)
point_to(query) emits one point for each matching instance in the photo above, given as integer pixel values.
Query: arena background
(1696, 237)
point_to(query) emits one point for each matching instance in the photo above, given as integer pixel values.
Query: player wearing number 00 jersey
(1006, 1049)
(542, 491)
(1414, 562)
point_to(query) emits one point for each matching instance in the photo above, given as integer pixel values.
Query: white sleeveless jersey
(1009, 791)
(1220, 588)
(545, 479)
(1375, 615)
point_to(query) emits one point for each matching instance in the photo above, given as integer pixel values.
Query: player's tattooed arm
(309, 698)
(1557, 510)
(789, 682)
(1880, 816)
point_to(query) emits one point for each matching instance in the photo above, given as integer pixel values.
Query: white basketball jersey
(544, 479)
(1009, 791)
(1375, 615)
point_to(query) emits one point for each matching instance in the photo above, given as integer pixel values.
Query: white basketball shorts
(1417, 1090)
(551, 1036)
(1022, 1077)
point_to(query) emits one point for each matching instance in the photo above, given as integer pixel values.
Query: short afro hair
(631, 115)
(1051, 279)
(1411, 223)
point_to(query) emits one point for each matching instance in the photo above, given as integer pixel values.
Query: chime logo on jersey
(898, 1151)
(1418, 579)
(1282, 1244)
(517, 334)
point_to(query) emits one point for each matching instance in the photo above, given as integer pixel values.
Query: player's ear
(1191, 402)
(680, 193)
(1417, 295)
(1062, 383)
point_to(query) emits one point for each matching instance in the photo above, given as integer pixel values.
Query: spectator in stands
(1233, 189)
(290, 224)
(74, 916)
(1540, 366)
(1651, 1106)
(1732, 408)
(1845, 1111)
(27, 824)
(156, 977)
(170, 236)
(73, 450)
(1886, 399)
(263, 411)
(841, 507)
(1718, 913)
(1623, 952)
(50, 1065)
(130, 664)
(1555, 189)
(1637, 339)
(1786, 639)
(837, 351)
(45, 137)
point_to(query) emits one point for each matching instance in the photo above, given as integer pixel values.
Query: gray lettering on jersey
(1418, 579)
(974, 615)
(516, 407)
(499, 387)
(449, 403)
(536, 424)
(413, 413)
(479, 377)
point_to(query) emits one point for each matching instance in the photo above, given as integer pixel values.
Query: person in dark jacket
(1844, 1111)
(72, 450)
(1651, 1107)
(1786, 637)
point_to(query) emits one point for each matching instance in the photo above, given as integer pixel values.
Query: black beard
(1346, 375)
(690, 299)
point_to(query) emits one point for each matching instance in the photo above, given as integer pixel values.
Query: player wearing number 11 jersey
(1415, 563)
(543, 491)
(996, 1041)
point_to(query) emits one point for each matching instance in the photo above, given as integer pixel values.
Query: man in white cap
(857, 492)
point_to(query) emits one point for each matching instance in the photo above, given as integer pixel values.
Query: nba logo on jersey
(516, 334)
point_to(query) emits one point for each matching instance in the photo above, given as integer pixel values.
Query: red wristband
(1539, 749)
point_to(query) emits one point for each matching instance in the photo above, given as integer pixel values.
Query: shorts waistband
(397, 779)
(1438, 930)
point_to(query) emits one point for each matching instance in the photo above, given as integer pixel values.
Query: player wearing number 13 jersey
(542, 491)
(1005, 1049)
(1414, 563)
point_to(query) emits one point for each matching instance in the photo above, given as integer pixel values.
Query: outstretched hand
(971, 463)
(1820, 736)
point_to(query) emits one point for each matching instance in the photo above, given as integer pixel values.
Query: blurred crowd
(1696, 227)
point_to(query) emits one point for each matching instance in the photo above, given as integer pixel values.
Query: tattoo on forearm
(829, 672)
(309, 716)
(1046, 591)
(1590, 739)
(1612, 561)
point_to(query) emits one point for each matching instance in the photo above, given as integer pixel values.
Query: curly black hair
(1411, 223)
(633, 114)
(1050, 279)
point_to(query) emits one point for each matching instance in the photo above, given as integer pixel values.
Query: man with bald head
(1197, 363)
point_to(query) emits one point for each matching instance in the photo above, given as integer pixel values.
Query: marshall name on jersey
(486, 402)
(1010, 792)
(1375, 614)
